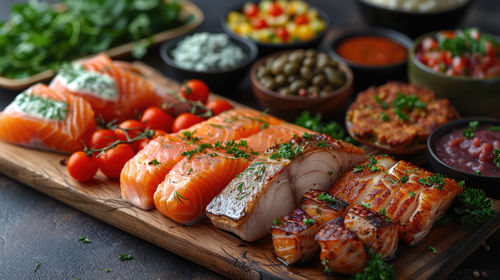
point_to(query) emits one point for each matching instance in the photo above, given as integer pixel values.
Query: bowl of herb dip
(219, 60)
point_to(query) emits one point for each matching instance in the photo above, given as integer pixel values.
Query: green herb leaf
(468, 133)
(383, 212)
(276, 222)
(328, 198)
(308, 222)
(432, 249)
(84, 239)
(412, 194)
(474, 124)
(154, 162)
(37, 266)
(494, 128)
(126, 257)
(366, 205)
(357, 169)
(376, 269)
(474, 207)
(108, 270)
(404, 179)
(384, 117)
(333, 129)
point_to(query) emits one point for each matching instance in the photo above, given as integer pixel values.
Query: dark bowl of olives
(290, 82)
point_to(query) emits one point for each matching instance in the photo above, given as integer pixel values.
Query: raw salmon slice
(142, 174)
(45, 119)
(232, 125)
(193, 182)
(134, 93)
(274, 135)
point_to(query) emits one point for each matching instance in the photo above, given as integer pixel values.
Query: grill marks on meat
(324, 210)
(398, 189)
(293, 237)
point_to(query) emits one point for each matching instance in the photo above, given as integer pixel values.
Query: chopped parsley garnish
(406, 102)
(404, 179)
(308, 222)
(384, 117)
(305, 135)
(461, 184)
(477, 172)
(382, 103)
(436, 180)
(286, 151)
(465, 42)
(496, 159)
(187, 135)
(383, 212)
(240, 186)
(242, 196)
(474, 124)
(366, 205)
(264, 125)
(357, 169)
(474, 207)
(374, 169)
(84, 239)
(37, 266)
(321, 144)
(154, 162)
(412, 194)
(432, 249)
(276, 222)
(468, 133)
(126, 257)
(108, 270)
(494, 128)
(41, 107)
(327, 268)
(314, 123)
(376, 268)
(392, 180)
(327, 197)
(190, 170)
(218, 125)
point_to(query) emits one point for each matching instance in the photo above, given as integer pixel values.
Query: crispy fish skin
(293, 237)
(373, 229)
(341, 249)
(324, 210)
(272, 186)
(398, 188)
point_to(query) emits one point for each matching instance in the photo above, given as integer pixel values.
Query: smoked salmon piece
(232, 125)
(194, 181)
(142, 174)
(114, 91)
(45, 119)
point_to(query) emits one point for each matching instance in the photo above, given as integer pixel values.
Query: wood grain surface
(203, 243)
(189, 9)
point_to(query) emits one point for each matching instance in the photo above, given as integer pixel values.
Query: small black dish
(214, 79)
(412, 24)
(373, 75)
(490, 184)
(268, 48)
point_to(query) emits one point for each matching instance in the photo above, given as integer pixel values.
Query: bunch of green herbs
(332, 128)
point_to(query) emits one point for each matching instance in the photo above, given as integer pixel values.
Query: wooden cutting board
(206, 245)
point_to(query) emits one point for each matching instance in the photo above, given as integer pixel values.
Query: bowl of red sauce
(375, 55)
(460, 65)
(468, 149)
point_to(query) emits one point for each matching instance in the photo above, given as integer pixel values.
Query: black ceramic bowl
(214, 79)
(491, 184)
(373, 75)
(267, 48)
(412, 24)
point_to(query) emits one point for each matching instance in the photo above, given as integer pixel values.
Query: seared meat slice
(322, 206)
(274, 183)
(293, 237)
(341, 249)
(373, 229)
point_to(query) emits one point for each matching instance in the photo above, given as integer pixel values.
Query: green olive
(262, 71)
(290, 68)
(313, 90)
(268, 82)
(322, 63)
(291, 78)
(277, 66)
(334, 77)
(319, 80)
(311, 53)
(309, 62)
(280, 79)
(285, 91)
(297, 85)
(296, 56)
(306, 73)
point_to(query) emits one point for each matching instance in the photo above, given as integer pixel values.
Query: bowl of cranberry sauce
(468, 149)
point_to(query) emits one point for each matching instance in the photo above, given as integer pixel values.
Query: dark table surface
(35, 228)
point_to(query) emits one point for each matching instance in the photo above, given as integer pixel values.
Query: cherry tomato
(275, 9)
(446, 57)
(218, 106)
(195, 90)
(282, 34)
(459, 64)
(102, 138)
(156, 118)
(259, 23)
(251, 10)
(143, 142)
(429, 44)
(301, 19)
(112, 161)
(133, 128)
(82, 167)
(185, 120)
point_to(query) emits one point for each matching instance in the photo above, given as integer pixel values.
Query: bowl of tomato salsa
(468, 149)
(375, 55)
(462, 66)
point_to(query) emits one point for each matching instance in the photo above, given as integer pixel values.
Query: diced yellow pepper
(234, 17)
(305, 32)
(244, 28)
(317, 25)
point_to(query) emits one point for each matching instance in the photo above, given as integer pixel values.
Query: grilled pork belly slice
(411, 196)
(373, 229)
(274, 183)
(323, 207)
(293, 237)
(355, 185)
(421, 201)
(341, 249)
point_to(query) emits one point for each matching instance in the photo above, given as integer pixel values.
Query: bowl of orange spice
(375, 55)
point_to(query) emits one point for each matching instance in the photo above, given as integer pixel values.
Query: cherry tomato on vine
(185, 120)
(82, 167)
(251, 10)
(102, 138)
(195, 90)
(218, 106)
(144, 142)
(133, 128)
(156, 118)
(112, 161)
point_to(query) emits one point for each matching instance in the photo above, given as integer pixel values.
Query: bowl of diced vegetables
(220, 60)
(277, 25)
(462, 66)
